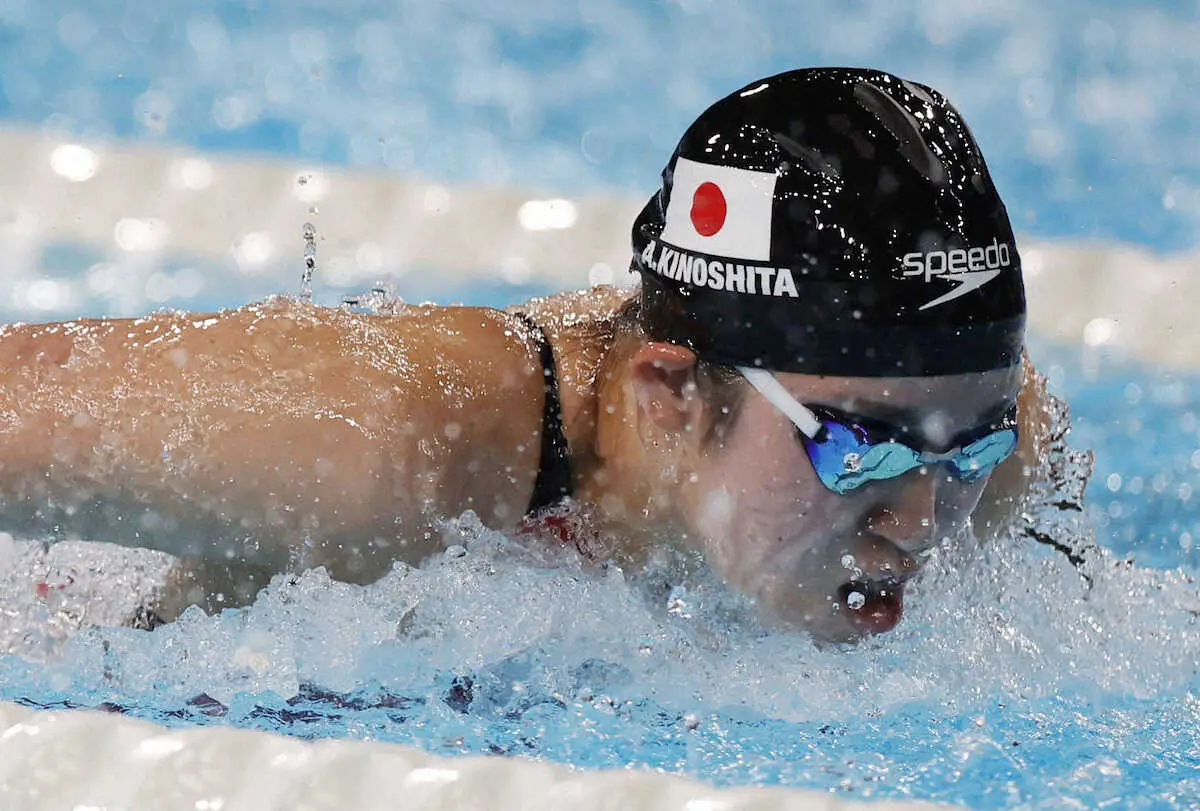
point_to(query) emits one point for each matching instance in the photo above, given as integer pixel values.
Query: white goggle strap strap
(778, 396)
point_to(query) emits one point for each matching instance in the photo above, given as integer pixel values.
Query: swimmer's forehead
(964, 400)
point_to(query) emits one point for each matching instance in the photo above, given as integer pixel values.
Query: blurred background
(169, 154)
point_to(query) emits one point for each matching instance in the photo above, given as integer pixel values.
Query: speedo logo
(968, 268)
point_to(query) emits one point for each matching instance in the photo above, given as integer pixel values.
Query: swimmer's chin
(878, 607)
(873, 606)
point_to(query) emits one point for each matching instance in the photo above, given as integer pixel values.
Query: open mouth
(873, 606)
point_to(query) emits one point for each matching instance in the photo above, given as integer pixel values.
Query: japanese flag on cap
(720, 211)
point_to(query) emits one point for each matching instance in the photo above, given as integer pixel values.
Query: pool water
(1145, 427)
(1011, 682)
(1084, 108)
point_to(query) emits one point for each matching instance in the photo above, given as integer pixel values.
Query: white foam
(49, 592)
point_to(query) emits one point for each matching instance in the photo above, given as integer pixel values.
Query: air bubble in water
(856, 600)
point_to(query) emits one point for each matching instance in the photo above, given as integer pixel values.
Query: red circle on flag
(708, 209)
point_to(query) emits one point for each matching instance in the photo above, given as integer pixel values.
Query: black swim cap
(832, 221)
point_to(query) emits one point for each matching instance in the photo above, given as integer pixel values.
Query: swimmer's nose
(907, 516)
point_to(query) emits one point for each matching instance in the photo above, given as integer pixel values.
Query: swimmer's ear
(664, 378)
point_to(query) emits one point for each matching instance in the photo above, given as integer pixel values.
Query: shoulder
(593, 306)
(468, 356)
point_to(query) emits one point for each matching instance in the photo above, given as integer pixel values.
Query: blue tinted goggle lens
(845, 457)
(845, 460)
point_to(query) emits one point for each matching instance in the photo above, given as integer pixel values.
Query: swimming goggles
(848, 451)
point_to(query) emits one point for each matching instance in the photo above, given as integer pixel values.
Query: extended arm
(273, 433)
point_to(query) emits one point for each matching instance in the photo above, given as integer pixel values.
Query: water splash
(1054, 512)
(379, 300)
(1010, 672)
(52, 591)
(310, 261)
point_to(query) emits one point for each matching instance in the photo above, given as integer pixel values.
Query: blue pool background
(1088, 115)
(1087, 111)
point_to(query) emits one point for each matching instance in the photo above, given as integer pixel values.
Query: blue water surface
(1086, 109)
(1012, 682)
(1144, 424)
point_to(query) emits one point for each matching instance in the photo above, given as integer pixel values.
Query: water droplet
(677, 603)
(310, 257)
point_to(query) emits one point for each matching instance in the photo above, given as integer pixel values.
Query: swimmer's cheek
(792, 592)
(1009, 485)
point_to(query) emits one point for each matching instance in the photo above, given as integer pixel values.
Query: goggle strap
(778, 396)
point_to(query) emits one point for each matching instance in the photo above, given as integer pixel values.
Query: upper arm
(468, 413)
(277, 422)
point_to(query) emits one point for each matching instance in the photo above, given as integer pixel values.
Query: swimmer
(820, 378)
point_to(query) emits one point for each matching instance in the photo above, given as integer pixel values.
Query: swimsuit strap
(554, 467)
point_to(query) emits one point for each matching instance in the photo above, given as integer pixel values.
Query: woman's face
(835, 564)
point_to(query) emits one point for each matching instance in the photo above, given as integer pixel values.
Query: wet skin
(774, 531)
(285, 434)
(276, 435)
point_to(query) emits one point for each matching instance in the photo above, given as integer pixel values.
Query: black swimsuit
(553, 482)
